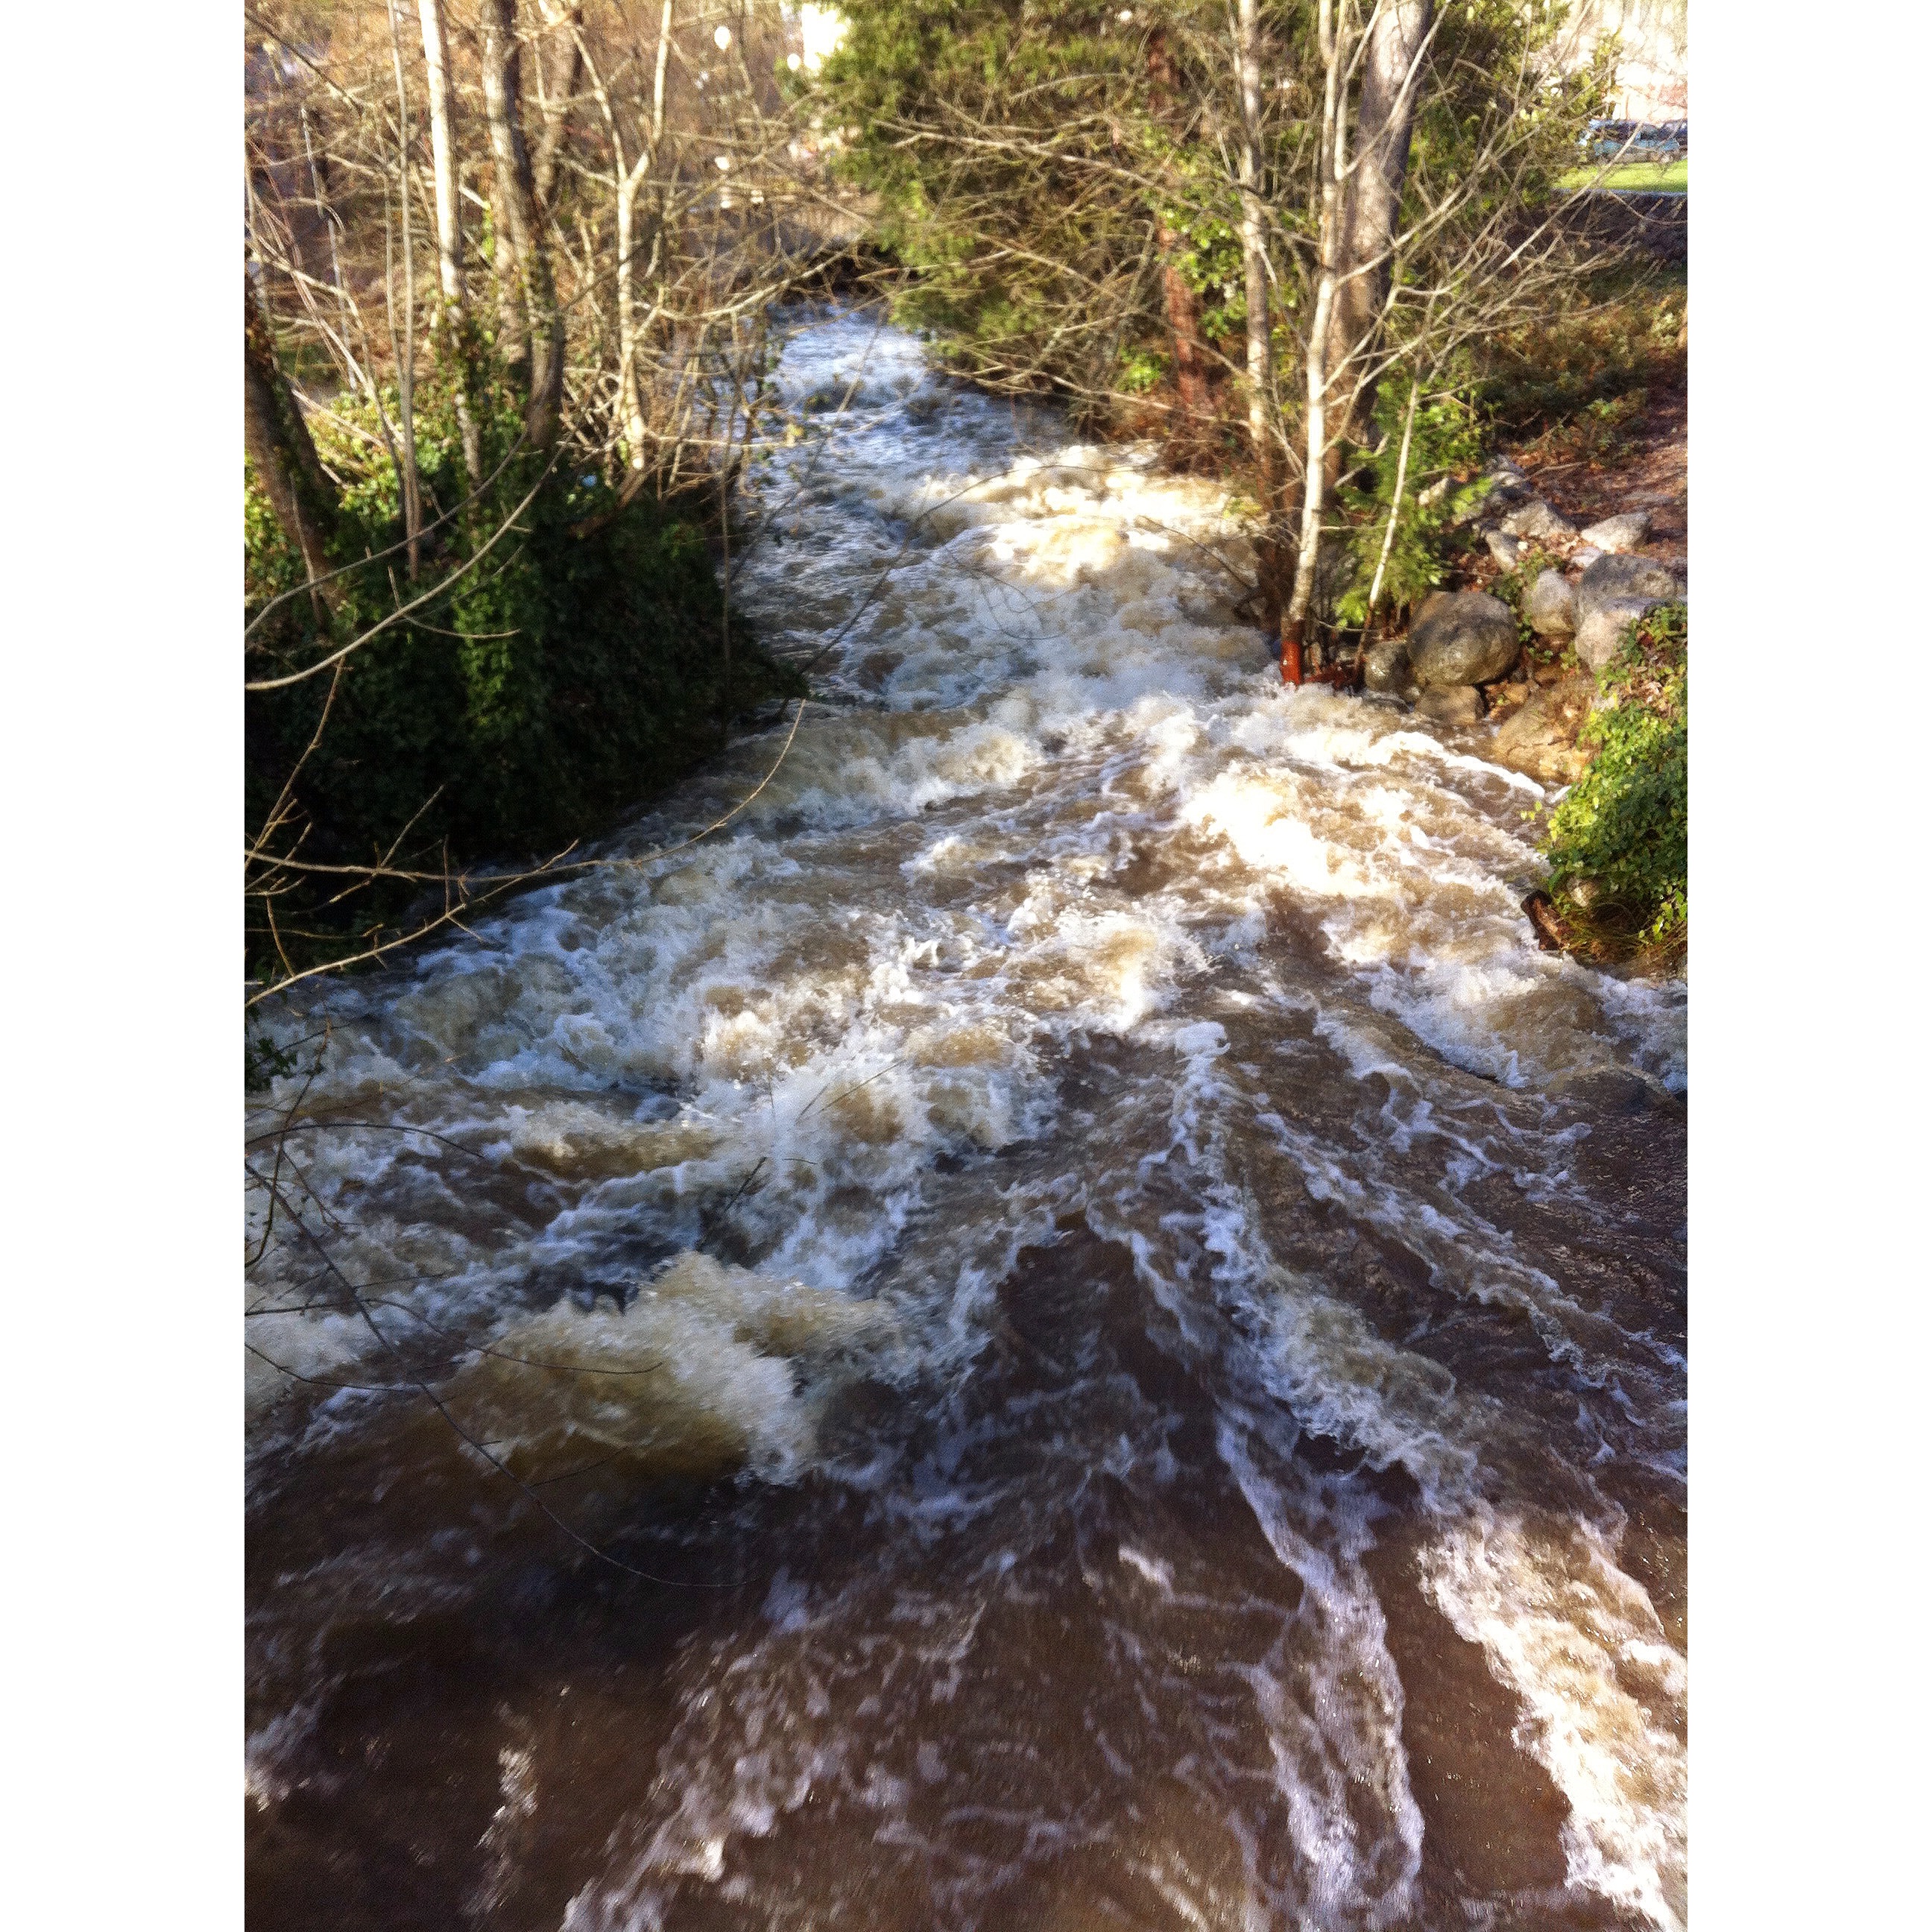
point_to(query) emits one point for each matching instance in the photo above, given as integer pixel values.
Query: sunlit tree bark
(1371, 209)
(1332, 162)
(449, 221)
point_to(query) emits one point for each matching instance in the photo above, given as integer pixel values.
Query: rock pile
(1612, 593)
(1461, 658)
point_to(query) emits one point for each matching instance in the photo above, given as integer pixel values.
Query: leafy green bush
(577, 667)
(1446, 440)
(1618, 843)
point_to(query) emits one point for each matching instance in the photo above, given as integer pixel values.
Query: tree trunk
(1255, 265)
(524, 263)
(627, 179)
(279, 446)
(1182, 305)
(629, 376)
(449, 224)
(442, 152)
(1254, 249)
(1332, 164)
(1184, 323)
(1371, 210)
(657, 78)
(406, 352)
(558, 92)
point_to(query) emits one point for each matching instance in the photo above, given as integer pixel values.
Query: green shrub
(1618, 843)
(1445, 443)
(578, 668)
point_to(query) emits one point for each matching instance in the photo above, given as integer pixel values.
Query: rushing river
(1080, 1332)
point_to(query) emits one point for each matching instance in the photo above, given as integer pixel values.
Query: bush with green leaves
(1617, 842)
(1040, 167)
(1446, 442)
(575, 668)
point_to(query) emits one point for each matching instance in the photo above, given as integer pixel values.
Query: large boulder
(1466, 638)
(1537, 521)
(1600, 633)
(1385, 667)
(1611, 578)
(1616, 534)
(1550, 608)
(1508, 486)
(1451, 704)
(1541, 738)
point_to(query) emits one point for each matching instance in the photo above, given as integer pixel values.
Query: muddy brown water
(1083, 1333)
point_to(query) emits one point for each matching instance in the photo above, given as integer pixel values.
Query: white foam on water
(1344, 1727)
(1604, 1694)
(699, 1376)
(1572, 1635)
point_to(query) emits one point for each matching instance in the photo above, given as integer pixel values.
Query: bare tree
(1331, 176)
(405, 344)
(449, 224)
(1393, 46)
(1263, 441)
(530, 288)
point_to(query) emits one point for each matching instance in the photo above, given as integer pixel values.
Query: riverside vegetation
(581, 670)
(505, 347)
(1052, 192)
(1073, 193)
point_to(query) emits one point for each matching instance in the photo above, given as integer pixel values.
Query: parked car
(1655, 144)
(1632, 141)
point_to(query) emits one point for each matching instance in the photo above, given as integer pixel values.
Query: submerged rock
(1550, 608)
(1612, 1089)
(1466, 638)
(1385, 667)
(1540, 739)
(1451, 704)
(1623, 532)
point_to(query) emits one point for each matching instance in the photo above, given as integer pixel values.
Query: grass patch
(1642, 177)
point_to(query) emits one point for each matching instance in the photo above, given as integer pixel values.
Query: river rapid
(1071, 1327)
